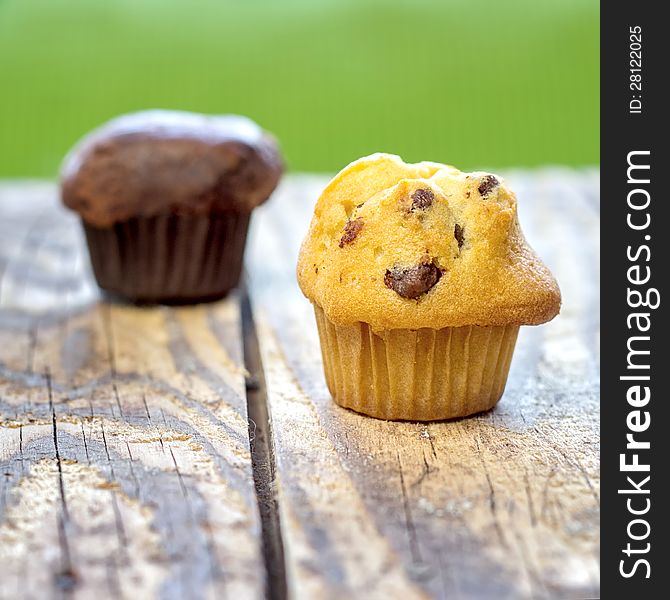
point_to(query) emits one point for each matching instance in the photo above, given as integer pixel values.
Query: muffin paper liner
(170, 259)
(416, 375)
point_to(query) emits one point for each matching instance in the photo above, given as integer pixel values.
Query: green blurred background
(471, 82)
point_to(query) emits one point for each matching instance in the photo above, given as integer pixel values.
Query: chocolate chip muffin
(165, 198)
(420, 277)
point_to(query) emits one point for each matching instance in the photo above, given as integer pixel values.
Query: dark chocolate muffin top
(157, 161)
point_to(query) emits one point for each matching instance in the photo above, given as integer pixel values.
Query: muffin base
(169, 259)
(416, 375)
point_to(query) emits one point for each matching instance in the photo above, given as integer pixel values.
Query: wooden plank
(125, 467)
(502, 505)
(124, 447)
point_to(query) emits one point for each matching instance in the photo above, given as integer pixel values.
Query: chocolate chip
(351, 230)
(422, 199)
(412, 282)
(458, 234)
(486, 185)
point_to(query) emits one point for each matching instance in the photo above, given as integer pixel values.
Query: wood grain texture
(502, 505)
(125, 464)
(125, 468)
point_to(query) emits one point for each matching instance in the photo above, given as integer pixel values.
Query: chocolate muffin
(165, 199)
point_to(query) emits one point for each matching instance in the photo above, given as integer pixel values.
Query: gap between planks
(262, 455)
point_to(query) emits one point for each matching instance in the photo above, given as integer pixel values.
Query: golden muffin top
(407, 246)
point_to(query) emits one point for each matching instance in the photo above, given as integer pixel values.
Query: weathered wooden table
(134, 461)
